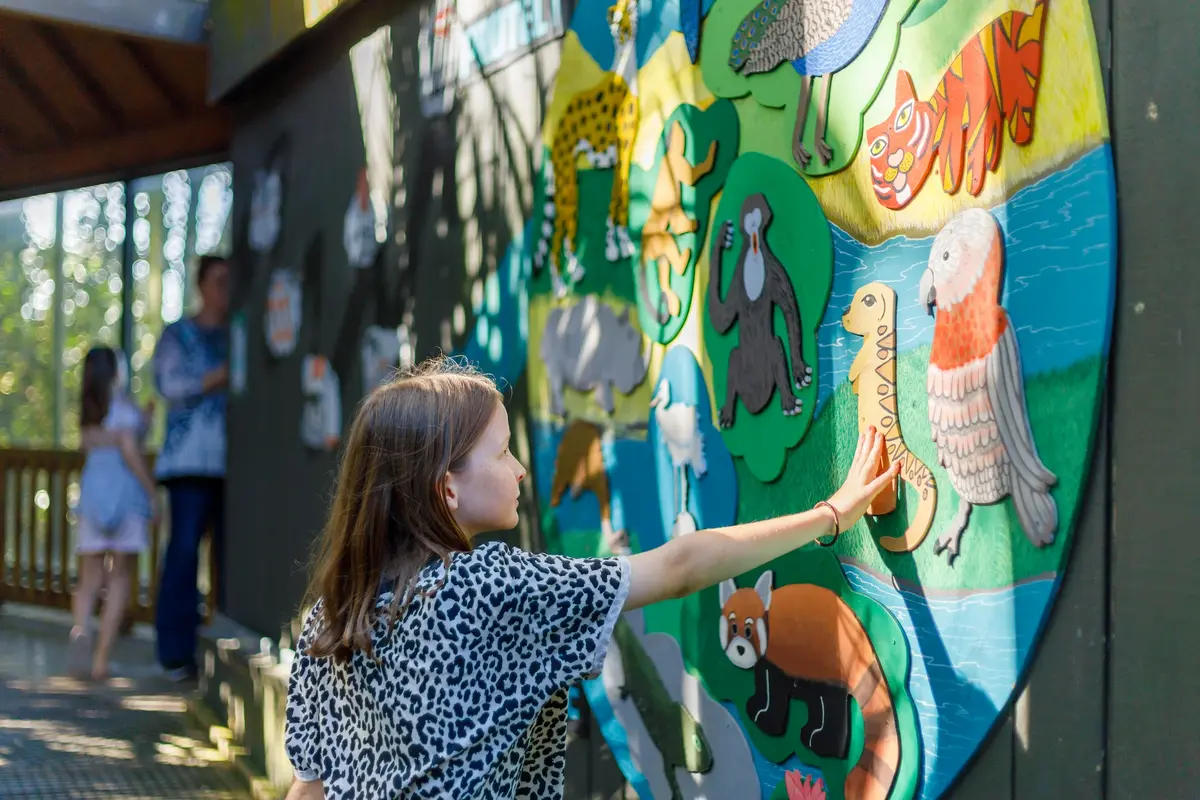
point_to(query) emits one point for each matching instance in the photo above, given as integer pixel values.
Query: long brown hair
(95, 395)
(389, 516)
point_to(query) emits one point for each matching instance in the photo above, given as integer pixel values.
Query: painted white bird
(680, 429)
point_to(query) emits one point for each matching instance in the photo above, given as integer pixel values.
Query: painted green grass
(994, 551)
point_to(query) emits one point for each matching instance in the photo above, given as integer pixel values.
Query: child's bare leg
(114, 610)
(91, 577)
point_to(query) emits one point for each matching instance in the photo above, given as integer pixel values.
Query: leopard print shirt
(468, 695)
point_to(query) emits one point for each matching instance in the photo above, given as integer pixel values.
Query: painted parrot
(977, 412)
(818, 37)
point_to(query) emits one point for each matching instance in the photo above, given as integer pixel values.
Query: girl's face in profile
(483, 495)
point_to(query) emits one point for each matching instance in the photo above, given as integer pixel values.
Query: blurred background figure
(191, 373)
(117, 506)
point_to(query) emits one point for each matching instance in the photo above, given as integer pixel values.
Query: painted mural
(759, 227)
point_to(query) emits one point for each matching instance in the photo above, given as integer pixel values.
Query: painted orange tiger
(992, 80)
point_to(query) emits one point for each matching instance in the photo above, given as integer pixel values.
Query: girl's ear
(450, 490)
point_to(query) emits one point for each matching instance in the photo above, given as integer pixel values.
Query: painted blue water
(1060, 245)
(967, 654)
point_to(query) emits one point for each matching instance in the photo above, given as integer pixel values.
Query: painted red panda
(804, 643)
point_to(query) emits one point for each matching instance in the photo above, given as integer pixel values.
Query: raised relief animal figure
(977, 413)
(758, 365)
(590, 348)
(992, 80)
(667, 220)
(579, 466)
(872, 315)
(679, 426)
(599, 123)
(818, 38)
(674, 732)
(804, 643)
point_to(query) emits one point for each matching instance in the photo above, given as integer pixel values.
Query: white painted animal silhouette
(680, 429)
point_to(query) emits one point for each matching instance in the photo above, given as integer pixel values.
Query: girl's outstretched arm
(699, 560)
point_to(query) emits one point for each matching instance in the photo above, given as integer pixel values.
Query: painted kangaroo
(667, 220)
(676, 734)
(579, 466)
(872, 315)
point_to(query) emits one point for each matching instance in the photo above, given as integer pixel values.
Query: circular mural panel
(713, 298)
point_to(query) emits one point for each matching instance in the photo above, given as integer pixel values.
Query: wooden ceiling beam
(33, 96)
(123, 155)
(62, 49)
(146, 62)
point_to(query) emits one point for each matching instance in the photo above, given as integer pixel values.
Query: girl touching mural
(416, 629)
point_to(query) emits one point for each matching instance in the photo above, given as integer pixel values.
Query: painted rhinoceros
(590, 348)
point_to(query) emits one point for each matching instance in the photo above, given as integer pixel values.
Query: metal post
(128, 256)
(59, 336)
(189, 238)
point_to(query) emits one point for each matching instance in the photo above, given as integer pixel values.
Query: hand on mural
(864, 481)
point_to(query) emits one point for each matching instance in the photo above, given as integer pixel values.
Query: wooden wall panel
(1059, 719)
(1154, 694)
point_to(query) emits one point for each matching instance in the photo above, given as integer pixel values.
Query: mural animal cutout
(681, 431)
(675, 733)
(380, 354)
(579, 465)
(285, 311)
(601, 124)
(759, 364)
(994, 78)
(803, 642)
(321, 422)
(872, 315)
(590, 348)
(266, 215)
(977, 411)
(668, 219)
(358, 226)
(818, 37)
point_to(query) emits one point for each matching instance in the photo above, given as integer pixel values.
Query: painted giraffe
(600, 123)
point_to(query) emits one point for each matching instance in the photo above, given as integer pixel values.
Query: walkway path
(129, 738)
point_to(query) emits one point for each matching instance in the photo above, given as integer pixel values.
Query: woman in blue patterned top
(117, 506)
(191, 373)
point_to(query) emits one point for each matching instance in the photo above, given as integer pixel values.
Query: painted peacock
(818, 37)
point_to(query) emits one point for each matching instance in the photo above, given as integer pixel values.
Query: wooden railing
(38, 493)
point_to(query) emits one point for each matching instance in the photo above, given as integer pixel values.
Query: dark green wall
(278, 490)
(1111, 700)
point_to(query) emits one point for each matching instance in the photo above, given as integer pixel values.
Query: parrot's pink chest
(970, 329)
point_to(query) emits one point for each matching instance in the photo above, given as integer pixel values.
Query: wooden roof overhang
(82, 105)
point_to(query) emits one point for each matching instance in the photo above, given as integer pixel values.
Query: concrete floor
(129, 738)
